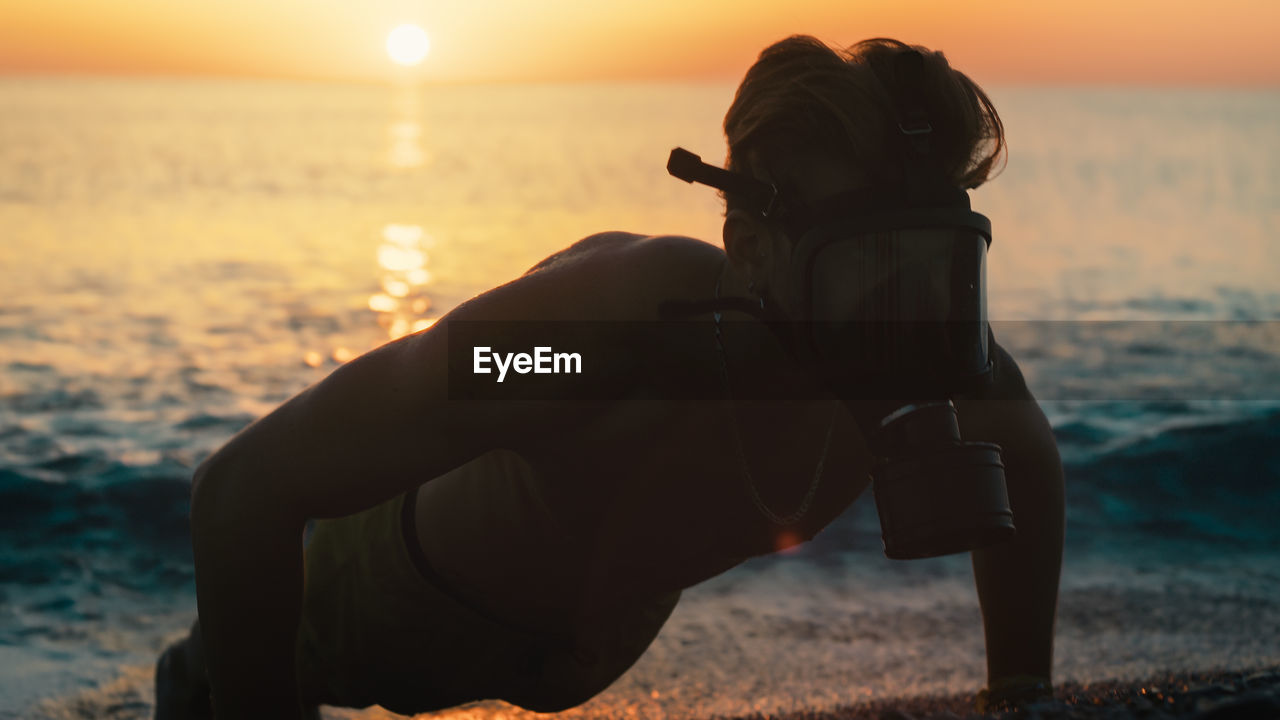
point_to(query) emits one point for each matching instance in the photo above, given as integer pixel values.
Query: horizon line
(707, 79)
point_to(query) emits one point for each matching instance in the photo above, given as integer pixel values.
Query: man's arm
(348, 443)
(374, 428)
(1018, 581)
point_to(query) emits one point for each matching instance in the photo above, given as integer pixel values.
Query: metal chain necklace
(764, 509)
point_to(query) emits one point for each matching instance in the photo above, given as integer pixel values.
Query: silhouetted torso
(647, 497)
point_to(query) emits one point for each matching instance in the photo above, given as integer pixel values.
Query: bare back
(650, 495)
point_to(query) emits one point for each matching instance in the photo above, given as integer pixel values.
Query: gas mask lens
(897, 325)
(899, 311)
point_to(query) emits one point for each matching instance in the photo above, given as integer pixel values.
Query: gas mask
(895, 322)
(893, 319)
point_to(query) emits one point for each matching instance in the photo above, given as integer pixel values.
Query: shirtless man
(529, 548)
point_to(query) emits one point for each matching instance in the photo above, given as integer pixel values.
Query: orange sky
(1148, 42)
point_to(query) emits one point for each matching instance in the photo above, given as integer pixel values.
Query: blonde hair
(804, 96)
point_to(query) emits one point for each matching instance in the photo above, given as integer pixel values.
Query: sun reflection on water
(406, 144)
(405, 131)
(403, 303)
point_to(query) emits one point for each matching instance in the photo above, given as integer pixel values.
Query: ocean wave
(57, 400)
(130, 514)
(1214, 481)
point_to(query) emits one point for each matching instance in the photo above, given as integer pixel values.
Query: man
(527, 544)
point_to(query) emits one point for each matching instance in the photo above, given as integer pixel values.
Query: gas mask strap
(778, 323)
(913, 120)
(924, 182)
(678, 309)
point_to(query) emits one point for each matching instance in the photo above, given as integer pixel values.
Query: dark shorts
(378, 627)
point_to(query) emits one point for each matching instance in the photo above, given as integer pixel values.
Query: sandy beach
(1217, 695)
(767, 640)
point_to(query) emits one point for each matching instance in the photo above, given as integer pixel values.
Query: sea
(179, 256)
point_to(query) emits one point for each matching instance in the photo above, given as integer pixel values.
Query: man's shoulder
(625, 274)
(631, 252)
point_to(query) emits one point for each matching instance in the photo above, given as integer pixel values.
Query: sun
(408, 44)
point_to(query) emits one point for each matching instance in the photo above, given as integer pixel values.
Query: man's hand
(1011, 692)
